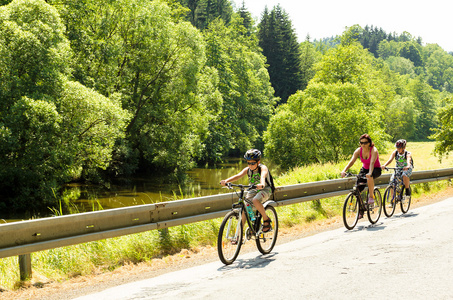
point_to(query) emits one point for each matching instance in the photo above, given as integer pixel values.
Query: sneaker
(371, 202)
(360, 215)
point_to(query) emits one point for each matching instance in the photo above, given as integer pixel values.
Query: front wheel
(350, 211)
(229, 241)
(389, 201)
(375, 209)
(265, 242)
(405, 202)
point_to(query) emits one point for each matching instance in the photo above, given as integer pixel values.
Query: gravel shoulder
(41, 288)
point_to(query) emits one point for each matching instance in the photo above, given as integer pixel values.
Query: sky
(431, 20)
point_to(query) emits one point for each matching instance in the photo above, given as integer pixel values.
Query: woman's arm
(354, 157)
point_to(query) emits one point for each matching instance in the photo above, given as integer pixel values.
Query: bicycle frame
(362, 206)
(397, 181)
(253, 225)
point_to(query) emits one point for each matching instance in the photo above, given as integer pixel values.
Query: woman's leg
(370, 181)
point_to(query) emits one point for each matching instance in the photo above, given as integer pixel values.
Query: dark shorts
(376, 173)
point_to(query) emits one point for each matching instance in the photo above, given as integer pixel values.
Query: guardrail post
(25, 267)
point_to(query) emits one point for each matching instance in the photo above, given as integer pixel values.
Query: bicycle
(355, 205)
(394, 194)
(231, 231)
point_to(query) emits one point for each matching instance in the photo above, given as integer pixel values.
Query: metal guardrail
(21, 238)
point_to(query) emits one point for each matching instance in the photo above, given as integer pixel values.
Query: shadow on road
(369, 227)
(407, 215)
(258, 262)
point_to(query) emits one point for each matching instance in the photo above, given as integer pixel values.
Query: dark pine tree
(202, 12)
(247, 17)
(278, 40)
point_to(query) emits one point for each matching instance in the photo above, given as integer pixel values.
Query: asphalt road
(404, 257)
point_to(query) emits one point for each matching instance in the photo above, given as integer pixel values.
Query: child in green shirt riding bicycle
(259, 176)
(403, 159)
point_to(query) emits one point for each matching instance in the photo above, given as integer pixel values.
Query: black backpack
(271, 183)
(405, 157)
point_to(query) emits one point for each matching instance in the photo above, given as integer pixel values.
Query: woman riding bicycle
(403, 160)
(371, 167)
(262, 181)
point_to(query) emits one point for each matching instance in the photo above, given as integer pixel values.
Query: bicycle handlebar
(242, 186)
(397, 168)
(356, 175)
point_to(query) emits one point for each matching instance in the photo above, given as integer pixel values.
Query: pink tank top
(366, 162)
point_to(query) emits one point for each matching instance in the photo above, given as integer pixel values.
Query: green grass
(106, 255)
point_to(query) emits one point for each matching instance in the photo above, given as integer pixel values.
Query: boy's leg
(259, 206)
(258, 200)
(406, 182)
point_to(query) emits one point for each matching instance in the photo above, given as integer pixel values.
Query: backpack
(405, 157)
(271, 183)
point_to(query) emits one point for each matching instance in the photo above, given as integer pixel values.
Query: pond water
(152, 189)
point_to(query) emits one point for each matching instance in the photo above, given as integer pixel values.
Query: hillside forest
(93, 90)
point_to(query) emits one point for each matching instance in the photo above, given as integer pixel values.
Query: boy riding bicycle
(259, 176)
(403, 159)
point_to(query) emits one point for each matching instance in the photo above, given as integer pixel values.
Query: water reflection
(146, 190)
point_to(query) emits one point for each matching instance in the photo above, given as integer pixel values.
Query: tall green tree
(244, 84)
(444, 134)
(323, 122)
(157, 66)
(439, 69)
(426, 102)
(278, 40)
(247, 19)
(309, 57)
(51, 129)
(203, 12)
(411, 51)
(400, 118)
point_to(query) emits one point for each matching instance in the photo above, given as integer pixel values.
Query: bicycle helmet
(400, 144)
(252, 154)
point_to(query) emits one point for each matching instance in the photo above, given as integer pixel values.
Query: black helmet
(252, 154)
(400, 144)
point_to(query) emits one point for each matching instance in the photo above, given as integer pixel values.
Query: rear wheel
(350, 211)
(374, 210)
(405, 202)
(266, 240)
(229, 241)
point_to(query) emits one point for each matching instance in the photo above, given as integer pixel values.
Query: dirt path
(82, 285)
